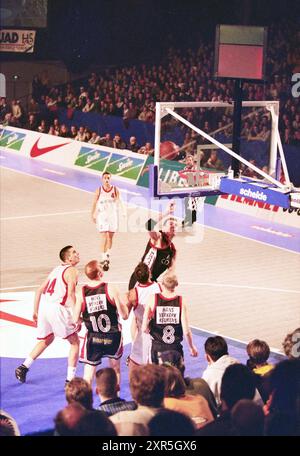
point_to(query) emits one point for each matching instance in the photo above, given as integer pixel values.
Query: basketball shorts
(101, 345)
(107, 221)
(141, 349)
(158, 348)
(54, 319)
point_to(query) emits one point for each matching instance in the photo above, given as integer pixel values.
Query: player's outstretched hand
(35, 317)
(194, 351)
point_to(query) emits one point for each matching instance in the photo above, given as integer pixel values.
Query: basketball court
(233, 285)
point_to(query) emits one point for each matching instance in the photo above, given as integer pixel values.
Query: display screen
(240, 52)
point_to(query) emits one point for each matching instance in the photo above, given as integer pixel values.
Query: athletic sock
(28, 361)
(103, 256)
(71, 373)
(107, 253)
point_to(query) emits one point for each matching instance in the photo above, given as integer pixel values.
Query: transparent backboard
(187, 162)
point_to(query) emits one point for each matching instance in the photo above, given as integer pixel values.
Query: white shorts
(54, 319)
(141, 349)
(107, 222)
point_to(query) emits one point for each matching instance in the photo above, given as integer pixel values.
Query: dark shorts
(100, 345)
(158, 348)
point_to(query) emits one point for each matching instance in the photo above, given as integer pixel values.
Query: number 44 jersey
(101, 318)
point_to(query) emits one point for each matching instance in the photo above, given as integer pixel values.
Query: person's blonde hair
(170, 281)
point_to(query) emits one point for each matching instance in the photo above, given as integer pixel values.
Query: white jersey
(107, 210)
(141, 346)
(54, 317)
(56, 290)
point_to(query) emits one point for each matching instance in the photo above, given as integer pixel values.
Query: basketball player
(160, 253)
(53, 305)
(100, 308)
(166, 319)
(190, 215)
(137, 298)
(105, 215)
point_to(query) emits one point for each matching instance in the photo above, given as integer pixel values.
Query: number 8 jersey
(165, 325)
(101, 318)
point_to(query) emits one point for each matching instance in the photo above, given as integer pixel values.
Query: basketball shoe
(21, 372)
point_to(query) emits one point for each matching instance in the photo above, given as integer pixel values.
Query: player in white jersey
(105, 215)
(53, 305)
(137, 298)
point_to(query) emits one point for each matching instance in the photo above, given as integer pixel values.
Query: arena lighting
(16, 77)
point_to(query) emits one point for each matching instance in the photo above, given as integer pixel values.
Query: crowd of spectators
(183, 75)
(230, 399)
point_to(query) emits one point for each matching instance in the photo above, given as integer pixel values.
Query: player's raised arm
(121, 306)
(147, 314)
(187, 331)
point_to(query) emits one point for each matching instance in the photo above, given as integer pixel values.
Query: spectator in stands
(259, 352)
(79, 390)
(133, 145)
(33, 107)
(291, 344)
(106, 140)
(107, 388)
(32, 123)
(95, 138)
(216, 354)
(73, 132)
(168, 423)
(194, 386)
(147, 149)
(42, 128)
(282, 409)
(75, 420)
(64, 132)
(8, 426)
(195, 406)
(237, 383)
(247, 418)
(118, 142)
(81, 135)
(214, 162)
(147, 386)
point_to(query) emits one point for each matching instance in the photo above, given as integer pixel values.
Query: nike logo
(36, 151)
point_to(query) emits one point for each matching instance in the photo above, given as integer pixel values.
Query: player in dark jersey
(166, 319)
(100, 309)
(160, 252)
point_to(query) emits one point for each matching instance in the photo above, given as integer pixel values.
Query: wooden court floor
(233, 286)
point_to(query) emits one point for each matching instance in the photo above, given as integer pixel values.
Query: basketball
(168, 150)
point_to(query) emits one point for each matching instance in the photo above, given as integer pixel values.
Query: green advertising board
(11, 139)
(92, 158)
(125, 166)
